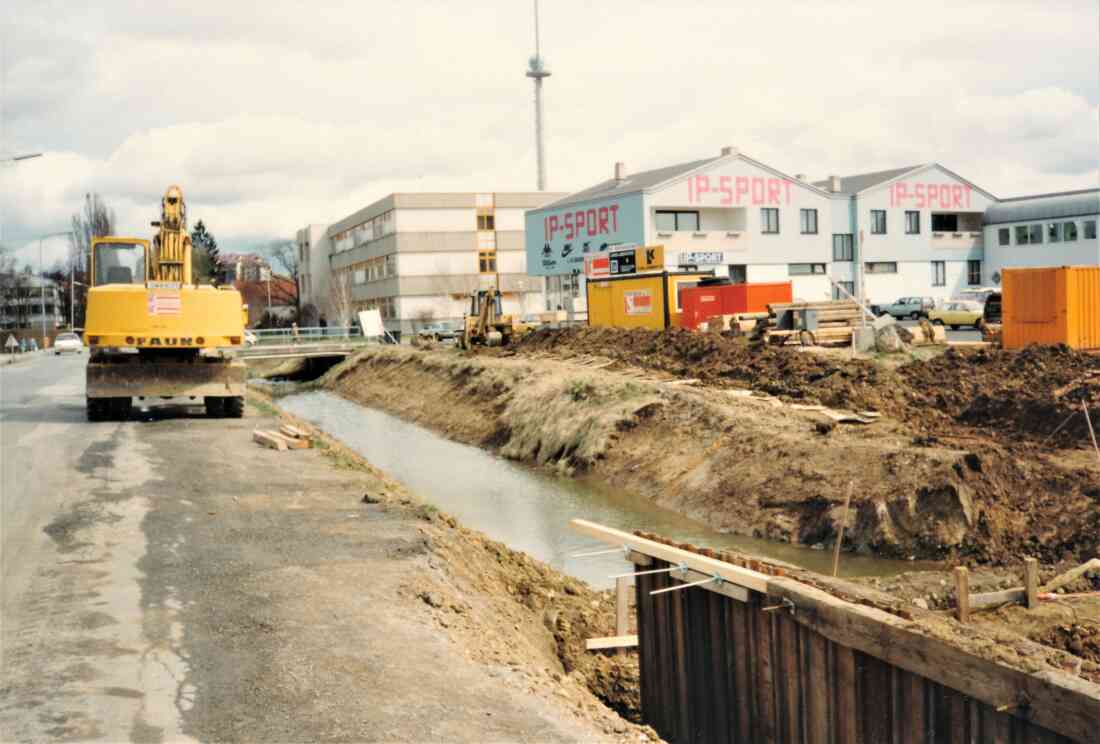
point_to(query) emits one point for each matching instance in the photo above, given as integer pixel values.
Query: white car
(67, 342)
(249, 338)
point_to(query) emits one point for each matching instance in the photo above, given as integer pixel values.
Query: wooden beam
(619, 641)
(985, 600)
(1072, 574)
(269, 439)
(962, 594)
(1061, 702)
(744, 577)
(1031, 582)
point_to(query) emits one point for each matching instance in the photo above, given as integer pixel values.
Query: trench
(528, 509)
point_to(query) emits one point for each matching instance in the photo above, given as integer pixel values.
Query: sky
(303, 112)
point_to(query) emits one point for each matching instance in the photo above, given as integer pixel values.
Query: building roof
(633, 183)
(863, 181)
(1044, 207)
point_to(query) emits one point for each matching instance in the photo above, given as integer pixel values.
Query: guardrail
(312, 334)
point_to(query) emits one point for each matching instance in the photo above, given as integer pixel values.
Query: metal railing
(310, 335)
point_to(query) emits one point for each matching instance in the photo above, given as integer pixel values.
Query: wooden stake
(622, 589)
(840, 533)
(1085, 408)
(268, 439)
(1068, 576)
(962, 594)
(1031, 582)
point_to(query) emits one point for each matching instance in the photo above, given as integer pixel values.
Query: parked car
(438, 331)
(991, 313)
(249, 338)
(66, 343)
(957, 313)
(910, 307)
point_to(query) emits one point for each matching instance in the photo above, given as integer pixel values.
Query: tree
(284, 254)
(339, 298)
(204, 254)
(94, 220)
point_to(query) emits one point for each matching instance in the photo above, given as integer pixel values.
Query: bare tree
(284, 254)
(339, 297)
(424, 316)
(94, 220)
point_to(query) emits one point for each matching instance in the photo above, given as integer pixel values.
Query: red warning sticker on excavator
(165, 304)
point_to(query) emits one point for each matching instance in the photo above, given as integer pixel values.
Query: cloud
(301, 114)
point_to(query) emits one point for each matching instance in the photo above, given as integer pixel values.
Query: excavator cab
(486, 324)
(119, 261)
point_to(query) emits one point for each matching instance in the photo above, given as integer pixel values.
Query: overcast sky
(275, 115)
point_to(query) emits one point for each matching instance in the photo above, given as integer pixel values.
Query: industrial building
(1044, 230)
(919, 230)
(417, 257)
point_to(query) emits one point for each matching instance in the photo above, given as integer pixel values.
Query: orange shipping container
(1052, 306)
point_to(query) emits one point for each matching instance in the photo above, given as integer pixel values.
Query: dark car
(992, 312)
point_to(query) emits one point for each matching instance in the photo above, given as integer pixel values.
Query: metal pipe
(700, 582)
(622, 549)
(680, 568)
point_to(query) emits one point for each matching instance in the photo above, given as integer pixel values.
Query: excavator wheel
(215, 406)
(234, 407)
(121, 408)
(96, 409)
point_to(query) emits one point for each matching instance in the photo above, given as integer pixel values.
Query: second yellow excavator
(152, 333)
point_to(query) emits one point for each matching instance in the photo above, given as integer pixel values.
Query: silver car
(67, 343)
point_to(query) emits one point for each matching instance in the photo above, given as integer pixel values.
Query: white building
(313, 268)
(909, 231)
(417, 257)
(1044, 230)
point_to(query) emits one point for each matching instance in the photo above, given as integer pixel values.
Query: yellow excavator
(154, 334)
(486, 324)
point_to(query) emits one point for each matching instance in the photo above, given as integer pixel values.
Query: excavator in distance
(152, 333)
(486, 324)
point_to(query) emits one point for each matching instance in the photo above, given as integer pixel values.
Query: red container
(702, 303)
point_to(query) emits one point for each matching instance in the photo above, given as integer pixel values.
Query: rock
(371, 498)
(432, 599)
(888, 340)
(921, 602)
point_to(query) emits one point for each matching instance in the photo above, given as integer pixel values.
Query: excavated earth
(938, 476)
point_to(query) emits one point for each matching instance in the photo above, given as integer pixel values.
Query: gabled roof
(1044, 207)
(633, 183)
(863, 181)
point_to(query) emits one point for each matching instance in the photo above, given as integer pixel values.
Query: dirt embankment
(742, 464)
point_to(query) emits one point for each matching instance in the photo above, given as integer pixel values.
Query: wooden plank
(616, 641)
(669, 716)
(986, 600)
(722, 640)
(740, 655)
(707, 566)
(292, 431)
(876, 704)
(846, 696)
(647, 669)
(763, 649)
(817, 679)
(724, 588)
(269, 439)
(1031, 582)
(1059, 701)
(790, 678)
(962, 594)
(682, 700)
(622, 608)
(291, 443)
(913, 717)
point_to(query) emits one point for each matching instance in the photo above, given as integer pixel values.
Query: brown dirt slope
(742, 464)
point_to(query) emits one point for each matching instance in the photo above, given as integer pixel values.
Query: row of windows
(939, 270)
(1055, 232)
(941, 223)
(364, 232)
(386, 306)
(373, 269)
(687, 221)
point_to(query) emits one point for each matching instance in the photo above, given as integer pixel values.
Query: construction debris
(288, 437)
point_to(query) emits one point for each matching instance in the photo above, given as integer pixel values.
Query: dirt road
(165, 579)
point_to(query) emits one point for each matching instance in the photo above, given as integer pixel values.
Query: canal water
(528, 509)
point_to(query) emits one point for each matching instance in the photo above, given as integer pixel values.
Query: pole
(42, 294)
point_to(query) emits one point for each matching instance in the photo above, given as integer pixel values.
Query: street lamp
(41, 273)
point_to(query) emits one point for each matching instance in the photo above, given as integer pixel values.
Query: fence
(313, 334)
(747, 657)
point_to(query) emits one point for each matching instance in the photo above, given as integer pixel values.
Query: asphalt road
(83, 657)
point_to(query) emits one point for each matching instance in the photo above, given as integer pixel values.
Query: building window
(912, 223)
(487, 262)
(881, 267)
(1054, 232)
(1069, 231)
(1004, 236)
(849, 290)
(973, 273)
(677, 221)
(486, 222)
(878, 221)
(809, 221)
(945, 223)
(1090, 229)
(360, 276)
(1021, 234)
(739, 273)
(939, 274)
(1035, 234)
(842, 247)
(804, 269)
(769, 220)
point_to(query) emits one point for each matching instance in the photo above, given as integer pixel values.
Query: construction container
(706, 301)
(640, 300)
(1058, 305)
